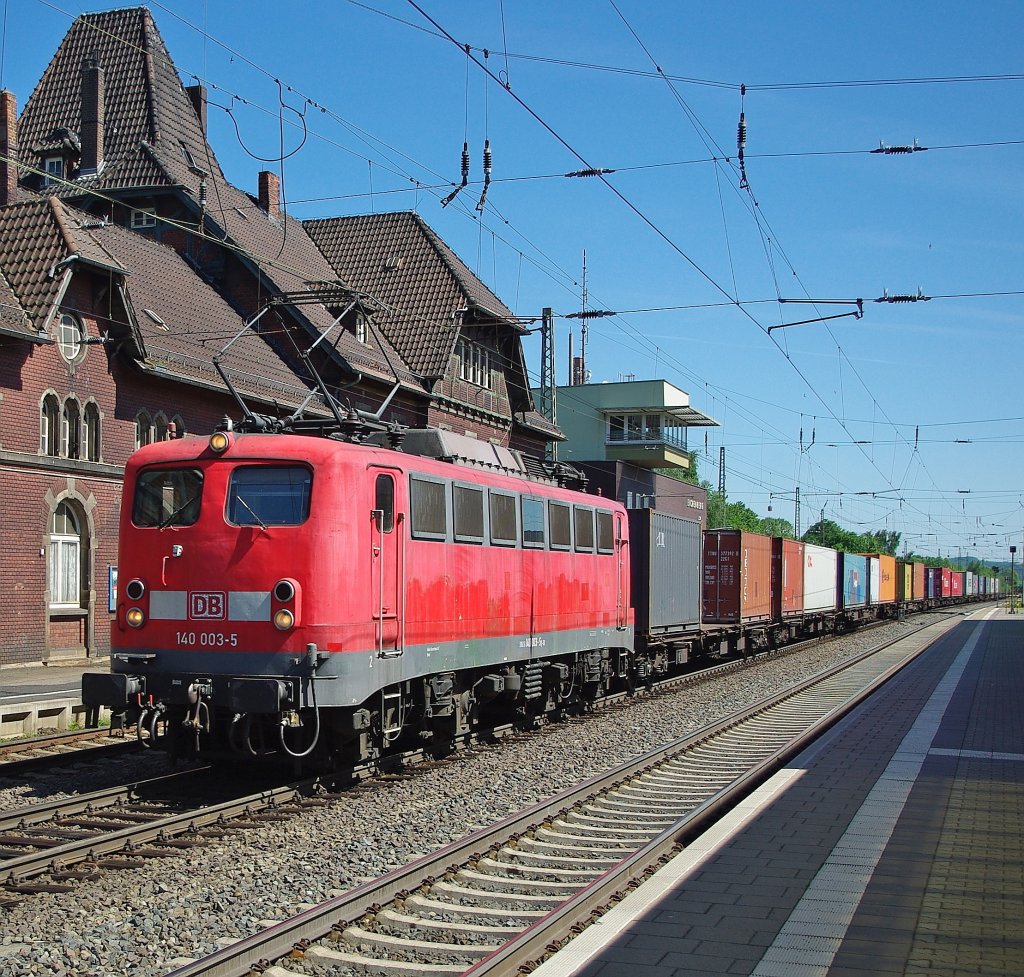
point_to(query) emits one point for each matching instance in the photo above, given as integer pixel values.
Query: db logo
(207, 606)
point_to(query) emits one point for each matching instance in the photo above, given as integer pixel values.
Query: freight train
(323, 599)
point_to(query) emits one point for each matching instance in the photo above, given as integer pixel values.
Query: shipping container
(787, 578)
(819, 578)
(873, 578)
(904, 581)
(852, 580)
(970, 584)
(956, 583)
(737, 576)
(933, 587)
(884, 589)
(947, 582)
(920, 587)
(664, 557)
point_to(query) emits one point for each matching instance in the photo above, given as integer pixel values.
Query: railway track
(55, 749)
(500, 899)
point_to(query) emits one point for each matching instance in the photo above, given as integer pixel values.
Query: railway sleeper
(615, 834)
(506, 883)
(403, 921)
(363, 964)
(541, 874)
(552, 841)
(387, 944)
(526, 856)
(517, 901)
(507, 916)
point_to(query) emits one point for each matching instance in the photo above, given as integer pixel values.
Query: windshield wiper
(168, 519)
(252, 512)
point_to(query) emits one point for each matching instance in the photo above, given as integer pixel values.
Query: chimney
(92, 116)
(197, 95)
(270, 193)
(8, 148)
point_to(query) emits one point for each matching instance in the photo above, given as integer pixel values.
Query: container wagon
(737, 577)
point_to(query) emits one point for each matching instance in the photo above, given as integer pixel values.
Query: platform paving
(895, 845)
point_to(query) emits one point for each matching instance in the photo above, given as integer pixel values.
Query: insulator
(741, 133)
(487, 157)
(465, 162)
(202, 193)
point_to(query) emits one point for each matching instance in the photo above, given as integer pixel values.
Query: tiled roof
(399, 261)
(153, 139)
(13, 321)
(185, 323)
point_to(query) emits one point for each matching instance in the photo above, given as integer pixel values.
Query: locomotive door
(387, 566)
(621, 575)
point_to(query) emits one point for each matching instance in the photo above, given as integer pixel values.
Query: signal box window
(533, 522)
(561, 527)
(584, 526)
(503, 519)
(427, 508)
(262, 496)
(468, 511)
(384, 502)
(605, 532)
(167, 497)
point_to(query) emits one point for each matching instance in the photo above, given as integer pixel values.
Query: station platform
(894, 845)
(38, 697)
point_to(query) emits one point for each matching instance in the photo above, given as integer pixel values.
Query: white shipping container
(820, 568)
(970, 584)
(874, 579)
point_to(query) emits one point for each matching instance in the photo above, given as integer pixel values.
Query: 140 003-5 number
(208, 639)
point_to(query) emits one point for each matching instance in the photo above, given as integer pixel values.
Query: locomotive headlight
(135, 589)
(135, 617)
(220, 441)
(284, 619)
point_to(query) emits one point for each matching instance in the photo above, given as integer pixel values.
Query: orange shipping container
(787, 578)
(886, 579)
(737, 576)
(919, 582)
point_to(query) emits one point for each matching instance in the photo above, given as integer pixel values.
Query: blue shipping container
(852, 580)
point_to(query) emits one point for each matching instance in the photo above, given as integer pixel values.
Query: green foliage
(683, 474)
(723, 514)
(825, 532)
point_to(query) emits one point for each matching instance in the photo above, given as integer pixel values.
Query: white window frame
(65, 558)
(71, 429)
(54, 170)
(70, 337)
(49, 426)
(143, 218)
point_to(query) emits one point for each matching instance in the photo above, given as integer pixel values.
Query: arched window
(71, 429)
(179, 426)
(160, 427)
(91, 441)
(65, 564)
(69, 337)
(143, 429)
(49, 426)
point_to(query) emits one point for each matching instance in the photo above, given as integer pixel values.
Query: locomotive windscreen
(166, 496)
(269, 496)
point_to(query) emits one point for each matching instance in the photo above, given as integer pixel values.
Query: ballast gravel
(147, 921)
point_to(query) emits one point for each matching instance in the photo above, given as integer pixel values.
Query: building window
(91, 441)
(179, 427)
(71, 429)
(49, 427)
(53, 167)
(65, 565)
(474, 364)
(143, 429)
(143, 218)
(69, 337)
(160, 427)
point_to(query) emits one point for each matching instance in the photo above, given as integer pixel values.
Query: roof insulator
(591, 171)
(896, 299)
(899, 150)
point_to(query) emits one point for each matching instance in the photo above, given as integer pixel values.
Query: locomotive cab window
(428, 510)
(533, 522)
(561, 525)
(269, 496)
(605, 532)
(384, 502)
(167, 497)
(503, 519)
(469, 513)
(583, 523)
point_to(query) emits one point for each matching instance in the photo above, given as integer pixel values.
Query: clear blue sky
(884, 403)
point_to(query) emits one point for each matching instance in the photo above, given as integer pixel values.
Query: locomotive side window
(605, 532)
(384, 501)
(469, 513)
(269, 496)
(503, 519)
(167, 496)
(533, 522)
(561, 525)
(428, 511)
(583, 519)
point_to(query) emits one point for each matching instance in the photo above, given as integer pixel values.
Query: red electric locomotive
(310, 596)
